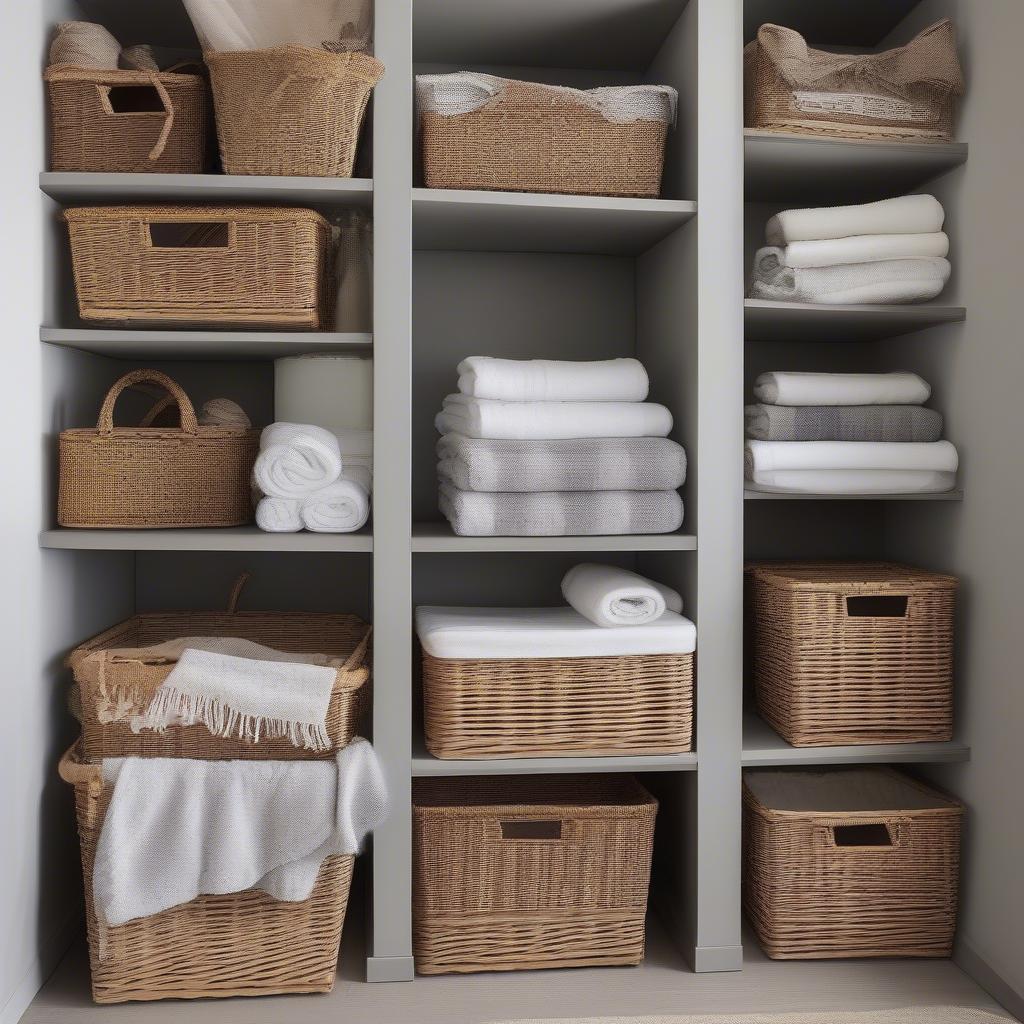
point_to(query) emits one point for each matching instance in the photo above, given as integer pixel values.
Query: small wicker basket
(218, 266)
(517, 873)
(850, 863)
(240, 944)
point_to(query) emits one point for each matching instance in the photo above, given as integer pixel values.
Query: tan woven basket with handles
(111, 688)
(239, 944)
(155, 477)
(853, 652)
(247, 266)
(908, 93)
(851, 863)
(291, 109)
(518, 873)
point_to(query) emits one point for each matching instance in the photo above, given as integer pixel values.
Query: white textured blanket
(851, 481)
(830, 252)
(784, 387)
(772, 456)
(609, 596)
(906, 215)
(551, 380)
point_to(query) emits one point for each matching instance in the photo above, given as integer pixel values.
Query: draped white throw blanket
(609, 596)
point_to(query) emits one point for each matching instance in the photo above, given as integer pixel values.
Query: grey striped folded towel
(842, 423)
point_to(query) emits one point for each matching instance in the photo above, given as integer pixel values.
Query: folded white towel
(341, 507)
(296, 459)
(852, 481)
(610, 597)
(357, 456)
(482, 417)
(772, 456)
(278, 515)
(178, 828)
(550, 380)
(906, 215)
(830, 252)
(502, 633)
(782, 387)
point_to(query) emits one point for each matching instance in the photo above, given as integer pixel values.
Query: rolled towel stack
(548, 448)
(846, 433)
(887, 252)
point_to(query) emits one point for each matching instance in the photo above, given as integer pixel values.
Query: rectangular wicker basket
(858, 652)
(240, 944)
(110, 690)
(536, 707)
(215, 266)
(515, 873)
(850, 863)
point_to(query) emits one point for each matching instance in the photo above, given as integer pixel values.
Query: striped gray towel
(842, 423)
(584, 464)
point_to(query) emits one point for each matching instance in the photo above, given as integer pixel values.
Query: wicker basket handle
(236, 592)
(189, 425)
(863, 835)
(165, 99)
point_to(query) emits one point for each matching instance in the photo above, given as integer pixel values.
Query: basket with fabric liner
(850, 863)
(519, 873)
(218, 266)
(126, 121)
(238, 944)
(155, 477)
(291, 110)
(112, 689)
(853, 652)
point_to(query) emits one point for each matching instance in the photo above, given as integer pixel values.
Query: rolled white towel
(784, 387)
(296, 460)
(617, 597)
(341, 507)
(357, 456)
(552, 380)
(905, 215)
(278, 515)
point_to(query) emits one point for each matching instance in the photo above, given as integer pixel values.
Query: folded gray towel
(843, 423)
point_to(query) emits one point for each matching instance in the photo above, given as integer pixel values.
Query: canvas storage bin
(155, 477)
(126, 121)
(110, 689)
(849, 863)
(853, 652)
(217, 266)
(291, 110)
(908, 93)
(482, 132)
(519, 873)
(239, 944)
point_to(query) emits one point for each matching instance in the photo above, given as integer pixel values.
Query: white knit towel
(774, 456)
(341, 507)
(278, 515)
(905, 215)
(296, 459)
(784, 387)
(551, 380)
(851, 481)
(609, 596)
(830, 252)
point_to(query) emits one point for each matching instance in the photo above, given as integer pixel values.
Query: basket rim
(171, 212)
(313, 53)
(208, 433)
(832, 575)
(99, 76)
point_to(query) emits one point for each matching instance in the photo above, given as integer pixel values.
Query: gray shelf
(807, 171)
(241, 538)
(199, 345)
(532, 222)
(439, 537)
(751, 495)
(797, 321)
(763, 746)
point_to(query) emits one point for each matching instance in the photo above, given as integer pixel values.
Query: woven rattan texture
(484, 901)
(291, 110)
(274, 269)
(87, 134)
(825, 677)
(809, 898)
(552, 706)
(240, 944)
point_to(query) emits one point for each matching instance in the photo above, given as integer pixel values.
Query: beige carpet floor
(908, 1015)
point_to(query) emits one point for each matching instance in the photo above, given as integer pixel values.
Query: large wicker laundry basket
(908, 93)
(113, 687)
(240, 944)
(850, 863)
(155, 477)
(290, 109)
(221, 266)
(515, 873)
(482, 132)
(126, 121)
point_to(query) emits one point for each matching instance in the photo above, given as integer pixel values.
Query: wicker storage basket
(112, 689)
(515, 873)
(849, 863)
(907, 93)
(557, 706)
(155, 477)
(205, 265)
(126, 121)
(858, 652)
(291, 110)
(240, 944)
(481, 132)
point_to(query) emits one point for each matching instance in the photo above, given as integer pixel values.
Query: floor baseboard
(966, 957)
(44, 964)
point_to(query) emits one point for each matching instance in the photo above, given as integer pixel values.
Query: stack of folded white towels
(304, 480)
(846, 433)
(887, 252)
(548, 448)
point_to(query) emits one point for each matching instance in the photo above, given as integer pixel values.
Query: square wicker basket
(850, 863)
